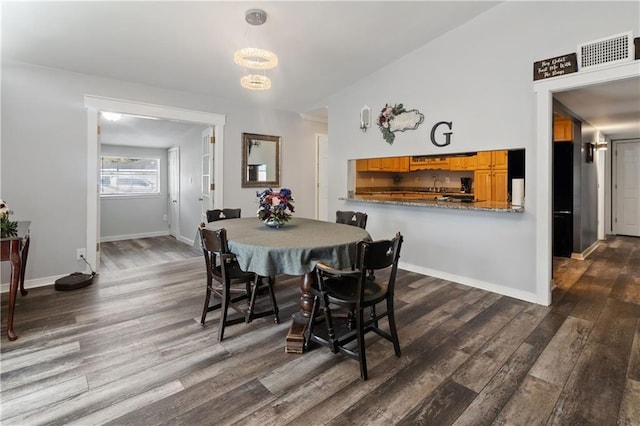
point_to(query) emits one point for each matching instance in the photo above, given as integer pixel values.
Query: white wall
(480, 77)
(135, 216)
(44, 149)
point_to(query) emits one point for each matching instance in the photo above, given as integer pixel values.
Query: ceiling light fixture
(255, 58)
(255, 82)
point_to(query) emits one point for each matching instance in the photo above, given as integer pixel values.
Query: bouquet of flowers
(385, 118)
(275, 207)
(8, 228)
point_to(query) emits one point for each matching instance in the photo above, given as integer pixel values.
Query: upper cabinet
(562, 129)
(463, 163)
(428, 163)
(390, 164)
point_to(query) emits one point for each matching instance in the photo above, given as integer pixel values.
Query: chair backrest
(214, 243)
(221, 214)
(358, 219)
(381, 254)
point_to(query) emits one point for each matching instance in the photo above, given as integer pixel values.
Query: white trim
(544, 90)
(94, 105)
(586, 252)
(175, 224)
(314, 118)
(29, 284)
(134, 236)
(483, 285)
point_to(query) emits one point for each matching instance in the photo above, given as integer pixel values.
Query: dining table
(292, 249)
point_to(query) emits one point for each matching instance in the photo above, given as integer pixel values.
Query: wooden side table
(16, 250)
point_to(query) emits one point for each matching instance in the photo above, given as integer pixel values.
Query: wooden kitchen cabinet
(490, 176)
(395, 164)
(390, 164)
(428, 163)
(562, 129)
(463, 163)
(492, 159)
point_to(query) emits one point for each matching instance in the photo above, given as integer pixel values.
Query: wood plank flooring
(129, 350)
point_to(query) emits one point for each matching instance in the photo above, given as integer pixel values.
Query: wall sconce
(589, 148)
(365, 118)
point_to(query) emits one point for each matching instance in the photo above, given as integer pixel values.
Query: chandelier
(255, 82)
(254, 58)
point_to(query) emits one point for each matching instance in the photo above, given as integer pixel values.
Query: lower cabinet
(490, 185)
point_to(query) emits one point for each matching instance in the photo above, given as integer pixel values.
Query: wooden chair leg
(223, 312)
(312, 319)
(206, 305)
(392, 329)
(361, 352)
(272, 295)
(331, 334)
(252, 299)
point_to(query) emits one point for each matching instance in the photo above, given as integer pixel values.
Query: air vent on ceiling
(605, 51)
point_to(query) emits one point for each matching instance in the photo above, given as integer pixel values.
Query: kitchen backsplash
(415, 181)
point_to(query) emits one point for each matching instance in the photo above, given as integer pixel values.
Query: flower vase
(273, 222)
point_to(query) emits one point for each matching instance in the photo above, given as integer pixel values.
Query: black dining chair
(227, 282)
(355, 291)
(221, 214)
(352, 218)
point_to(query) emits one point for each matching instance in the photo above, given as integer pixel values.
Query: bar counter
(494, 206)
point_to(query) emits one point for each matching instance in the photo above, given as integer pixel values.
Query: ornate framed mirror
(260, 160)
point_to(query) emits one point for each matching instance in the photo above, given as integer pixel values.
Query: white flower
(3, 207)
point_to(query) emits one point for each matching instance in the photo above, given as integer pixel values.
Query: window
(129, 175)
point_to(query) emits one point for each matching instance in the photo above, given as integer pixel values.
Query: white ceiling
(613, 108)
(323, 46)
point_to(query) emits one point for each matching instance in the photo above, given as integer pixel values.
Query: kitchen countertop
(495, 206)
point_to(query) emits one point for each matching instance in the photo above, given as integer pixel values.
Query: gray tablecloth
(293, 249)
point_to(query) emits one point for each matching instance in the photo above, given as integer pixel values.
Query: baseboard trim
(29, 284)
(133, 236)
(483, 285)
(586, 252)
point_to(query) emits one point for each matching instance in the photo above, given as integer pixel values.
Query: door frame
(173, 173)
(614, 177)
(544, 90)
(322, 180)
(96, 104)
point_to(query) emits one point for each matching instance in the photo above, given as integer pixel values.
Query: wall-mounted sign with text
(553, 67)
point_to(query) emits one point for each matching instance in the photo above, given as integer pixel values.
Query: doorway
(626, 188)
(94, 105)
(544, 90)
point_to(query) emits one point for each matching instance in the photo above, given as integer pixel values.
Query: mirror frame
(246, 183)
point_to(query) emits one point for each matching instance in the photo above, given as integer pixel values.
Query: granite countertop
(419, 191)
(495, 206)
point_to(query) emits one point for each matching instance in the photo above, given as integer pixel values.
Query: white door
(173, 178)
(627, 188)
(208, 184)
(322, 177)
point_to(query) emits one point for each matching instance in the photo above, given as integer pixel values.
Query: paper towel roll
(517, 192)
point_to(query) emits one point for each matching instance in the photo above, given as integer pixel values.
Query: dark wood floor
(128, 350)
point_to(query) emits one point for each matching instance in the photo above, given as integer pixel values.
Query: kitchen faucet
(435, 182)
